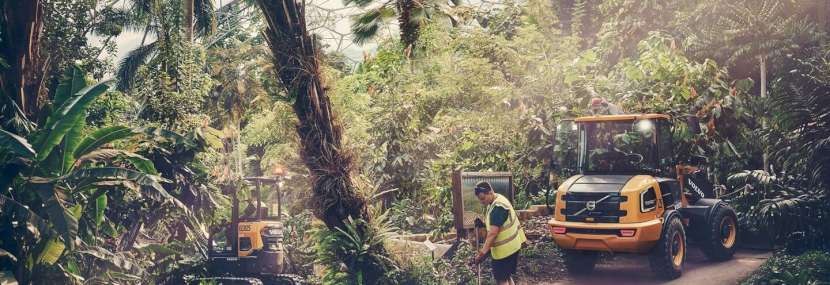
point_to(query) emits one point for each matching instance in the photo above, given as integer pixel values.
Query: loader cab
(625, 144)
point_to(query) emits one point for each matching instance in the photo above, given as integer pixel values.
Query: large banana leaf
(70, 142)
(15, 144)
(158, 134)
(150, 184)
(100, 137)
(100, 207)
(73, 80)
(64, 221)
(36, 224)
(71, 113)
(51, 250)
(139, 162)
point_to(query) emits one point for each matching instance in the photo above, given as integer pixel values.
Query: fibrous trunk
(409, 26)
(22, 80)
(296, 61)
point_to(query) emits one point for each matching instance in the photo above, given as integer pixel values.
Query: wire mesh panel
(466, 207)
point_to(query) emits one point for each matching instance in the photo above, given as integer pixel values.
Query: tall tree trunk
(22, 24)
(298, 68)
(763, 64)
(295, 57)
(410, 28)
(188, 18)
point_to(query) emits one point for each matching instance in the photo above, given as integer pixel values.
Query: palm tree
(153, 18)
(411, 14)
(295, 58)
(750, 30)
(336, 201)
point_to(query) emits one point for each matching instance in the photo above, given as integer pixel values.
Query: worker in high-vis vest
(504, 234)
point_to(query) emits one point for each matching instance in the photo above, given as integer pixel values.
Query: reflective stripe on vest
(511, 236)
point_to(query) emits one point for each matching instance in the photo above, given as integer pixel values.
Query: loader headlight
(648, 200)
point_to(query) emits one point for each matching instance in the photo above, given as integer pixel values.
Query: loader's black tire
(580, 262)
(721, 234)
(669, 254)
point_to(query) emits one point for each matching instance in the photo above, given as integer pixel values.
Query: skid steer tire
(669, 254)
(580, 262)
(721, 234)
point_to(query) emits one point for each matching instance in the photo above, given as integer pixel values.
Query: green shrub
(809, 268)
(355, 253)
(442, 271)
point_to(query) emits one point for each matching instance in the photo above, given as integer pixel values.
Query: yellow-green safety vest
(511, 236)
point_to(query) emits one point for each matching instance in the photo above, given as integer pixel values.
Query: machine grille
(606, 207)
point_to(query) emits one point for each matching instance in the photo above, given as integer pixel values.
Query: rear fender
(700, 215)
(670, 214)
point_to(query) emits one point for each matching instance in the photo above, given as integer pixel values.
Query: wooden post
(458, 205)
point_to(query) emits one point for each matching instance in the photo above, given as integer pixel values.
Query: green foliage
(792, 204)
(173, 90)
(809, 268)
(50, 194)
(65, 37)
(486, 90)
(66, 117)
(354, 253)
(410, 215)
(300, 251)
(780, 209)
(112, 108)
(454, 270)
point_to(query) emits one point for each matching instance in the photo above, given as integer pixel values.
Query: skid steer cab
(632, 197)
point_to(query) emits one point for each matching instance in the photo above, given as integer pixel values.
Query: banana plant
(50, 176)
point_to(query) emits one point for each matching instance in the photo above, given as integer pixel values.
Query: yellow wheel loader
(631, 196)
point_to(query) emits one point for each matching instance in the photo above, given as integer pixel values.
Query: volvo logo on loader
(591, 205)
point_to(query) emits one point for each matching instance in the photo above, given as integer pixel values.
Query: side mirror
(694, 124)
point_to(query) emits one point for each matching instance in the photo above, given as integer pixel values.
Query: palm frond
(358, 3)
(205, 14)
(128, 66)
(365, 26)
(15, 145)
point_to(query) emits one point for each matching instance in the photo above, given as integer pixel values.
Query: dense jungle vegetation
(114, 169)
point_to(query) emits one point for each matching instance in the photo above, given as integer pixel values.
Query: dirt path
(632, 269)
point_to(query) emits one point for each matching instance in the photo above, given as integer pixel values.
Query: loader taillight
(627, 233)
(559, 230)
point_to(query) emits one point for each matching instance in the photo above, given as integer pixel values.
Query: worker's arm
(488, 243)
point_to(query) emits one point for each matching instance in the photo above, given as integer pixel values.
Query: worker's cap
(483, 187)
